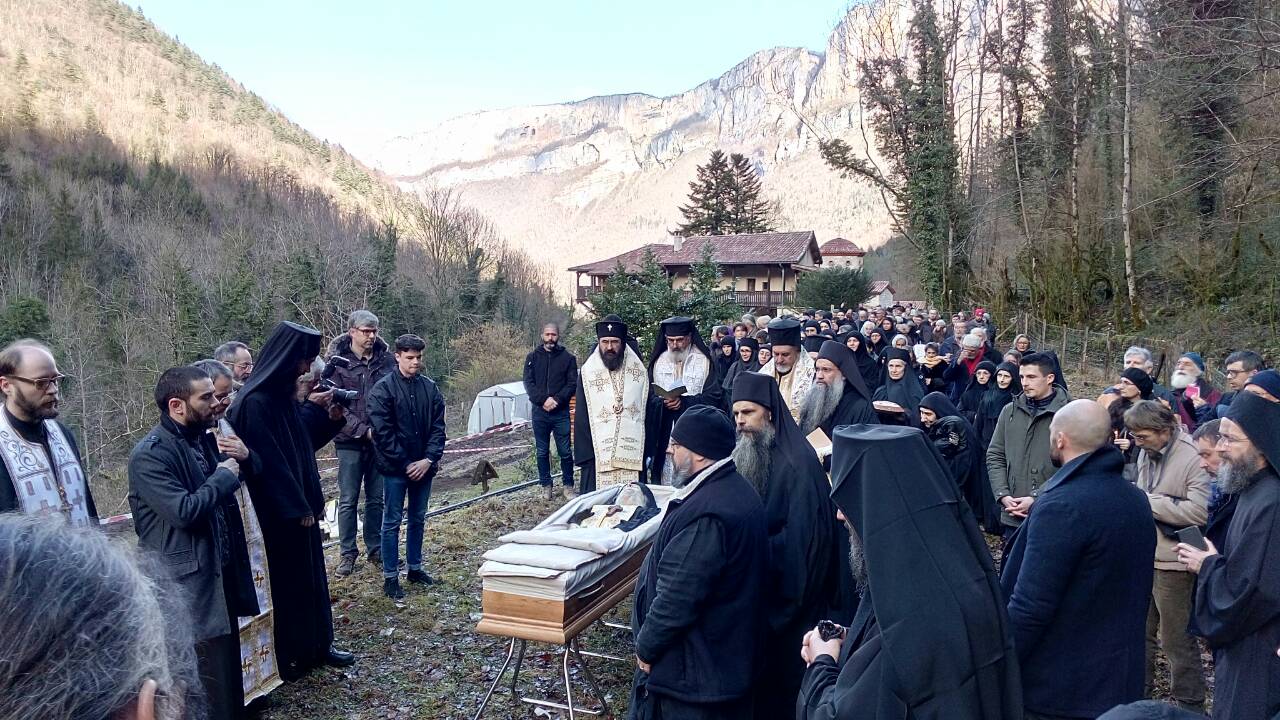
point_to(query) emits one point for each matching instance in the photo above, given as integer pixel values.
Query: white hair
(1138, 351)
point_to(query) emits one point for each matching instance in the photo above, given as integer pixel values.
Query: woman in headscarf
(901, 387)
(889, 327)
(1000, 392)
(877, 343)
(726, 356)
(747, 361)
(976, 389)
(932, 368)
(867, 365)
(958, 442)
(765, 355)
(1134, 385)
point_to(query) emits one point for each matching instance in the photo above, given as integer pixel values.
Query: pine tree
(707, 302)
(709, 199)
(748, 212)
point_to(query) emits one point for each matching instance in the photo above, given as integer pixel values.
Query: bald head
(1080, 427)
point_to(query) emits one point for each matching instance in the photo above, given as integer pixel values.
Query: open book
(820, 442)
(666, 394)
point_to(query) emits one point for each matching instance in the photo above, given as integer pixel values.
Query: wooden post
(1064, 339)
(1044, 331)
(1110, 349)
(1084, 353)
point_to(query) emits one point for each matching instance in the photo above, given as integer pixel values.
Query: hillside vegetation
(152, 208)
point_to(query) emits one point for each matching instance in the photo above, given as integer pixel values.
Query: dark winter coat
(1078, 578)
(360, 375)
(408, 423)
(551, 374)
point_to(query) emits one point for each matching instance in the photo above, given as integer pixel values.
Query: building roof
(839, 247)
(783, 248)
(880, 286)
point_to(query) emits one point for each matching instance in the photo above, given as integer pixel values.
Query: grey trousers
(1171, 592)
(358, 467)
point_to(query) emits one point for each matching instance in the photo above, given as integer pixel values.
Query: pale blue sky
(358, 72)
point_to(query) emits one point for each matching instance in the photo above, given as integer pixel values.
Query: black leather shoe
(339, 658)
(419, 577)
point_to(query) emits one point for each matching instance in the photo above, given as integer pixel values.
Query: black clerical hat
(784, 331)
(754, 387)
(676, 326)
(611, 326)
(1260, 420)
(705, 431)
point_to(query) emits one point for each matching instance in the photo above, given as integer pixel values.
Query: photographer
(356, 361)
(407, 413)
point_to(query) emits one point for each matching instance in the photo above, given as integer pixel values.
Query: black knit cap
(705, 431)
(1141, 379)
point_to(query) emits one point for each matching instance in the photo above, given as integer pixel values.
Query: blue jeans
(357, 466)
(546, 424)
(397, 488)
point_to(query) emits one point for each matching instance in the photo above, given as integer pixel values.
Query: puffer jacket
(1178, 491)
(1018, 461)
(361, 377)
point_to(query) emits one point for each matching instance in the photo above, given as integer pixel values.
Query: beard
(681, 474)
(819, 404)
(678, 356)
(1181, 380)
(1235, 477)
(753, 456)
(1055, 456)
(612, 359)
(38, 410)
(857, 560)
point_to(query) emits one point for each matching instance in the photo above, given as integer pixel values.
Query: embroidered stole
(617, 424)
(695, 371)
(796, 384)
(44, 487)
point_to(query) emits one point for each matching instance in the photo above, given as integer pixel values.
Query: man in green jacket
(1018, 461)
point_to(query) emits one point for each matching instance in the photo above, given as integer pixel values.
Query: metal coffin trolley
(557, 610)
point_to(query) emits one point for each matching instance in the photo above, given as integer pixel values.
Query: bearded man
(790, 366)
(680, 359)
(40, 470)
(1235, 606)
(775, 458)
(931, 638)
(1194, 398)
(612, 397)
(698, 611)
(839, 395)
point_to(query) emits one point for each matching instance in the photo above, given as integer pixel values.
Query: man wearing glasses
(41, 472)
(357, 360)
(237, 358)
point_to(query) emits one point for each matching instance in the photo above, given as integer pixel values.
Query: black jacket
(550, 374)
(699, 602)
(408, 423)
(360, 375)
(1078, 578)
(178, 513)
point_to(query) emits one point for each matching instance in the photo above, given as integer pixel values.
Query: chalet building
(760, 269)
(881, 295)
(838, 252)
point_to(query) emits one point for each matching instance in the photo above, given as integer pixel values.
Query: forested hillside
(1101, 161)
(151, 208)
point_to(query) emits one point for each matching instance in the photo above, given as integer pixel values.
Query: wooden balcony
(745, 298)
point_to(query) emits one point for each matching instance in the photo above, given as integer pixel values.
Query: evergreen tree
(833, 287)
(24, 317)
(707, 302)
(708, 210)
(748, 212)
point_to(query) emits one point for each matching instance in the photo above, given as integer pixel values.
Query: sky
(359, 72)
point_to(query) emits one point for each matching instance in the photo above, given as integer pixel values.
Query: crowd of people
(822, 557)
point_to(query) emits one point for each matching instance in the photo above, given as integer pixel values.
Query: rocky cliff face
(583, 180)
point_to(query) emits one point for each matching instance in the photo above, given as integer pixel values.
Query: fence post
(1109, 358)
(1084, 352)
(1064, 339)
(1044, 331)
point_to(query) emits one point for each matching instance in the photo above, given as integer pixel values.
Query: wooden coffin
(559, 621)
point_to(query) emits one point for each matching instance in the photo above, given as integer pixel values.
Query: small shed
(497, 405)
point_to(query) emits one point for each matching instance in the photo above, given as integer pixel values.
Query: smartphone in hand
(1192, 392)
(1193, 537)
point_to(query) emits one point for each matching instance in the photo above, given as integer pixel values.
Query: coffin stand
(526, 619)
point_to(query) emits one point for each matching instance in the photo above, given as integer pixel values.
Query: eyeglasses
(368, 332)
(221, 398)
(1233, 373)
(41, 384)
(243, 365)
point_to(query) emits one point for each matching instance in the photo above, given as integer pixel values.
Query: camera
(340, 396)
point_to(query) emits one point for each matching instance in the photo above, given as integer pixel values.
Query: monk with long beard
(775, 458)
